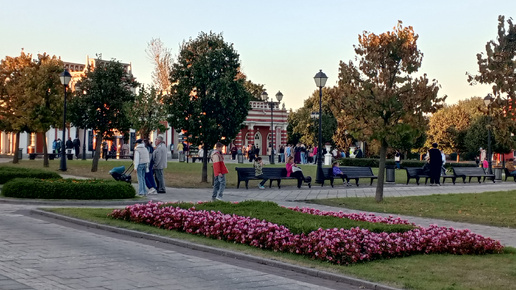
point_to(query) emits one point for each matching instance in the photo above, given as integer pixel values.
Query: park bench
(416, 173)
(357, 172)
(507, 174)
(51, 156)
(328, 175)
(471, 172)
(272, 173)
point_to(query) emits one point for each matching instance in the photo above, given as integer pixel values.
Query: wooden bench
(51, 156)
(471, 172)
(416, 173)
(328, 175)
(357, 172)
(272, 173)
(507, 174)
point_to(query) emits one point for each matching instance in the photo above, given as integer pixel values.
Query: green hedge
(9, 173)
(374, 162)
(68, 189)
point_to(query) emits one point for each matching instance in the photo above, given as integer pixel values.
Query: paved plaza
(41, 252)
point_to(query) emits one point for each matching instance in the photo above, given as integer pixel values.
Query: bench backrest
(245, 172)
(461, 171)
(351, 171)
(275, 171)
(415, 171)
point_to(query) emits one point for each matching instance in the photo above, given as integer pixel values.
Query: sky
(282, 44)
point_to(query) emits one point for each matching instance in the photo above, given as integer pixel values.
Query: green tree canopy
(100, 99)
(147, 112)
(208, 101)
(381, 95)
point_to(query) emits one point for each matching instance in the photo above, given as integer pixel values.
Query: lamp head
(264, 96)
(320, 79)
(488, 100)
(65, 77)
(279, 96)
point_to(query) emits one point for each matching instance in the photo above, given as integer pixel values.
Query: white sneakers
(153, 191)
(261, 186)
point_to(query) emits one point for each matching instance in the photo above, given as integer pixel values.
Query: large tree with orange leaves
(381, 97)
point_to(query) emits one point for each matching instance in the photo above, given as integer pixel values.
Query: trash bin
(20, 153)
(181, 157)
(390, 175)
(498, 173)
(240, 158)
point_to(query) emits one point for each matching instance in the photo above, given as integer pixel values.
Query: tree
(161, 57)
(381, 96)
(15, 106)
(45, 92)
(100, 99)
(448, 126)
(147, 112)
(208, 102)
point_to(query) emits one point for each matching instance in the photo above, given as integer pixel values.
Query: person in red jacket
(219, 172)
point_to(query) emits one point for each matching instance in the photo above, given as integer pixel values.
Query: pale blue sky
(282, 44)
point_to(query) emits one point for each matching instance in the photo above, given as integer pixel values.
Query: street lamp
(279, 97)
(488, 100)
(65, 78)
(320, 80)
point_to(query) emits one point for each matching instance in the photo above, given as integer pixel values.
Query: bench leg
(356, 182)
(247, 184)
(279, 183)
(238, 184)
(417, 181)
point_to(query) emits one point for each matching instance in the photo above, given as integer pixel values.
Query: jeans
(142, 190)
(160, 180)
(303, 157)
(219, 185)
(282, 156)
(149, 179)
(263, 180)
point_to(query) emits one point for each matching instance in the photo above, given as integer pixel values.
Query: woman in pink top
(297, 174)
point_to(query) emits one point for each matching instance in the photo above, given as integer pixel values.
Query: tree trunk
(381, 172)
(204, 176)
(16, 148)
(98, 144)
(45, 151)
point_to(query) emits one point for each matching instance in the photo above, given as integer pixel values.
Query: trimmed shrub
(9, 173)
(375, 163)
(67, 189)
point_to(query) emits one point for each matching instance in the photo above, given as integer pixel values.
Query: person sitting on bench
(338, 173)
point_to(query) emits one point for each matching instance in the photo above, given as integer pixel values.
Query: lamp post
(65, 78)
(320, 80)
(488, 100)
(84, 145)
(279, 97)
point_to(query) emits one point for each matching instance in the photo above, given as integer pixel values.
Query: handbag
(296, 169)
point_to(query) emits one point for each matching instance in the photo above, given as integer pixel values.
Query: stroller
(121, 174)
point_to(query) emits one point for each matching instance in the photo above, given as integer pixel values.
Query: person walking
(69, 146)
(397, 159)
(149, 175)
(435, 161)
(258, 171)
(141, 163)
(171, 150)
(76, 146)
(219, 172)
(160, 163)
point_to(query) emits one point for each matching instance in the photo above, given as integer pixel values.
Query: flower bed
(339, 246)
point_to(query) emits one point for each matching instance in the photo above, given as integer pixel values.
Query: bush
(9, 173)
(67, 189)
(372, 162)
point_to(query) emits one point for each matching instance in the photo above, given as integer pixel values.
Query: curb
(245, 257)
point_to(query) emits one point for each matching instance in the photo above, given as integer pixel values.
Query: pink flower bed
(340, 246)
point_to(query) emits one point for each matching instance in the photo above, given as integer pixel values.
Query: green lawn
(494, 271)
(488, 208)
(180, 174)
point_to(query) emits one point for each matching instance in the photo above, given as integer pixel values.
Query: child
(219, 172)
(258, 166)
(338, 173)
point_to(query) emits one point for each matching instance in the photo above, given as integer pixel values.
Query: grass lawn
(488, 208)
(180, 174)
(495, 271)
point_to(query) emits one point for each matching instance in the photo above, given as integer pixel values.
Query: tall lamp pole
(279, 97)
(65, 78)
(84, 145)
(320, 80)
(488, 100)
